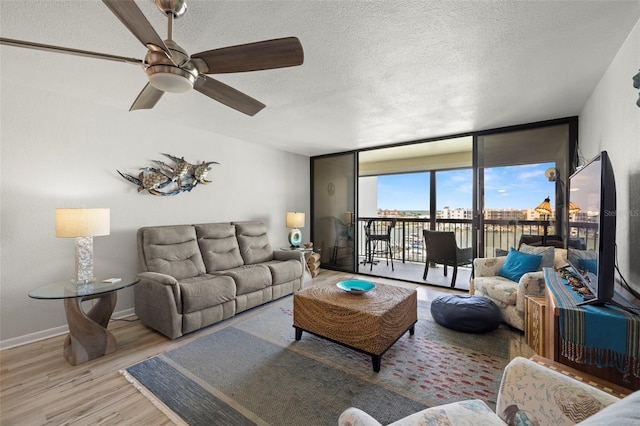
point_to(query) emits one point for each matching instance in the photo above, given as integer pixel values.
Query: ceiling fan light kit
(170, 68)
(170, 79)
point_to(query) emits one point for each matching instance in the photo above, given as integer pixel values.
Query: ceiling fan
(171, 69)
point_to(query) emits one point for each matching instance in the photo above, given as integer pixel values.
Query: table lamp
(83, 225)
(295, 220)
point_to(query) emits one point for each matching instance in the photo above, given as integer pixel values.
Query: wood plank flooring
(38, 387)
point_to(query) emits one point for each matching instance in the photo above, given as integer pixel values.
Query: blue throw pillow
(517, 264)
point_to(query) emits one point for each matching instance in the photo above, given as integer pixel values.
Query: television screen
(592, 220)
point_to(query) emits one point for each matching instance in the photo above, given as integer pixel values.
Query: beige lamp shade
(72, 223)
(544, 207)
(295, 220)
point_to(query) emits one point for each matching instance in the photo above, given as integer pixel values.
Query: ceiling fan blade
(261, 55)
(68, 51)
(228, 95)
(147, 99)
(132, 17)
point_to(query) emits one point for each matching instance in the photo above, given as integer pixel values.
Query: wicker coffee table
(370, 322)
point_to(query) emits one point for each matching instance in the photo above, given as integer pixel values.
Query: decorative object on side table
(313, 263)
(166, 180)
(83, 225)
(294, 221)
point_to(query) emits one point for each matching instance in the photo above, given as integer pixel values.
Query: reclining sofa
(197, 275)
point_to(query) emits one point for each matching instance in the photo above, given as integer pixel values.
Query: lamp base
(84, 260)
(295, 237)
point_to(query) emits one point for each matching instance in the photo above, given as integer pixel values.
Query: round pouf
(471, 314)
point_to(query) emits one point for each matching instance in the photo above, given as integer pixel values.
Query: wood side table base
(88, 335)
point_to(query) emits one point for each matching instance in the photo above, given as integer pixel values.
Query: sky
(516, 187)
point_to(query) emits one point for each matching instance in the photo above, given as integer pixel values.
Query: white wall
(610, 121)
(64, 152)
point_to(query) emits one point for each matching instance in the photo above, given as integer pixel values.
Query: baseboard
(51, 332)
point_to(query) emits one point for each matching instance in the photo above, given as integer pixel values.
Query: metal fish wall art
(168, 180)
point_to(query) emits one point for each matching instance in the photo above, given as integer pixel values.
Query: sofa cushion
(547, 253)
(253, 242)
(171, 250)
(219, 246)
(517, 264)
(250, 278)
(205, 291)
(284, 271)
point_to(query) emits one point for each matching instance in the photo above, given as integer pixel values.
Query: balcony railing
(408, 243)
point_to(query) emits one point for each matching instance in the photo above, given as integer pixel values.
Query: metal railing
(408, 243)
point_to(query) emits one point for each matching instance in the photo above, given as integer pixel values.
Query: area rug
(254, 372)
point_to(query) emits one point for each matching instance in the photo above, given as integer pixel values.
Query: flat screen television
(592, 205)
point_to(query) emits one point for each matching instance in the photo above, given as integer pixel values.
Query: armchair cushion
(517, 264)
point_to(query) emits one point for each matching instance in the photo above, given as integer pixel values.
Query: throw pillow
(547, 253)
(517, 264)
(501, 253)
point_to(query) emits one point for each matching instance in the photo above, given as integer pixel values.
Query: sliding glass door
(516, 172)
(484, 187)
(333, 210)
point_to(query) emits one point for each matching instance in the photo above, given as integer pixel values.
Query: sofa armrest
(356, 417)
(544, 396)
(158, 303)
(289, 255)
(159, 278)
(487, 266)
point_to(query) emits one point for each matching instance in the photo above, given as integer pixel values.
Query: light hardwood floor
(38, 387)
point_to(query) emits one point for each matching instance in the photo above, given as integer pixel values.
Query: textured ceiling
(374, 73)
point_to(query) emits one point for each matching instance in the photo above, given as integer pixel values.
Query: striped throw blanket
(602, 335)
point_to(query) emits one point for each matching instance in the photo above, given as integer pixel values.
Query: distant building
(504, 214)
(388, 213)
(457, 213)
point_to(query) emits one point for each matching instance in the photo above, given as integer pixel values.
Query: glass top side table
(88, 336)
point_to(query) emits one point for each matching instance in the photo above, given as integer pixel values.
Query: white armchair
(509, 295)
(531, 394)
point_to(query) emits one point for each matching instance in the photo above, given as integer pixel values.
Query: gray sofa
(196, 275)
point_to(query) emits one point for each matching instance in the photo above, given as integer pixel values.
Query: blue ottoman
(471, 314)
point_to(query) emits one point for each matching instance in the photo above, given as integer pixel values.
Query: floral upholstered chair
(530, 394)
(508, 290)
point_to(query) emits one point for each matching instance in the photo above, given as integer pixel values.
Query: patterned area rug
(254, 372)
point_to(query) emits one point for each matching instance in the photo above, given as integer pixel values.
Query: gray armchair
(442, 248)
